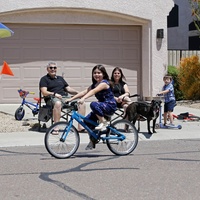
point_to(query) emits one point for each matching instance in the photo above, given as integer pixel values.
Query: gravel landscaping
(8, 124)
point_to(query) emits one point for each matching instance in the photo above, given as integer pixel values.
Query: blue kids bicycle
(20, 111)
(120, 135)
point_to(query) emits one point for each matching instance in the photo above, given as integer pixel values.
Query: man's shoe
(55, 131)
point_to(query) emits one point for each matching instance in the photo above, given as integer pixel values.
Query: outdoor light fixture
(160, 33)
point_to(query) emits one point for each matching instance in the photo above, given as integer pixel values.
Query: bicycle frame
(35, 106)
(79, 118)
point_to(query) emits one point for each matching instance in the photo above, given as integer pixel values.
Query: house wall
(150, 15)
(178, 36)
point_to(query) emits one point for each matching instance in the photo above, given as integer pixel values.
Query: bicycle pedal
(95, 141)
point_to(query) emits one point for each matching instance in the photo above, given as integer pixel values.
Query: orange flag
(6, 69)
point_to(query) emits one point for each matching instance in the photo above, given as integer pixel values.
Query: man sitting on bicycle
(106, 104)
(56, 86)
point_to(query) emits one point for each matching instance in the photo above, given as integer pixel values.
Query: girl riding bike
(106, 104)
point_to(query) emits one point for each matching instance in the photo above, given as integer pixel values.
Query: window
(172, 18)
(192, 26)
(194, 43)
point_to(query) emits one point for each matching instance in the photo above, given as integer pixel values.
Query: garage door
(76, 49)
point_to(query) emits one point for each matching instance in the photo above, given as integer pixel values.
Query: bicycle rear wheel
(126, 146)
(56, 145)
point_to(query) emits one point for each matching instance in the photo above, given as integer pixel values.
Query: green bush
(173, 71)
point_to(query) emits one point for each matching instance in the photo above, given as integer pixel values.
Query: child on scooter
(170, 100)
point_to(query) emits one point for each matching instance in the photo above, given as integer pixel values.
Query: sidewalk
(190, 130)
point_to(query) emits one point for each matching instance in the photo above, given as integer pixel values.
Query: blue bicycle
(120, 135)
(20, 111)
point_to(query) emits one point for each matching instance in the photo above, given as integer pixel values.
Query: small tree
(189, 77)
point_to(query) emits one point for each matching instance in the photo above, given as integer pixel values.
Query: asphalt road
(156, 170)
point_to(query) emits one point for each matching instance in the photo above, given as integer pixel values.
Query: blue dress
(106, 104)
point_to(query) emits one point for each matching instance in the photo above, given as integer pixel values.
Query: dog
(141, 109)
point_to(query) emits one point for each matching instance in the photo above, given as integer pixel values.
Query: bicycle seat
(37, 99)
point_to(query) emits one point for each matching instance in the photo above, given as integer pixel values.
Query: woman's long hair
(103, 70)
(122, 75)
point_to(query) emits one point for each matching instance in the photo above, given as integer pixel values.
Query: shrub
(173, 71)
(189, 77)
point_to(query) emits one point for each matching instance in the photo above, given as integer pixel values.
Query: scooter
(186, 117)
(161, 125)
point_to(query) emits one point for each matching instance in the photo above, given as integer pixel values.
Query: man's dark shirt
(57, 84)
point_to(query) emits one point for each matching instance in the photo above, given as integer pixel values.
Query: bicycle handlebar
(24, 93)
(71, 105)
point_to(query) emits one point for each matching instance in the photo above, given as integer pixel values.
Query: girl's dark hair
(103, 70)
(122, 75)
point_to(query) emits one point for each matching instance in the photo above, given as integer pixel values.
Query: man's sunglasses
(52, 67)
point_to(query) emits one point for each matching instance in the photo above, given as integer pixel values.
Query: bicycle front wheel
(19, 113)
(55, 143)
(126, 146)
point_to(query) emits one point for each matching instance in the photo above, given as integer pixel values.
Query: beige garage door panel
(76, 48)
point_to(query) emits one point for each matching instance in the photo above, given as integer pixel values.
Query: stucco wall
(151, 15)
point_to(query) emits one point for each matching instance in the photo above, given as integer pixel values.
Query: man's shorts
(169, 106)
(53, 100)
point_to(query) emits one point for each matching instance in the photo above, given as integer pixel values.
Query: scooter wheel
(179, 127)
